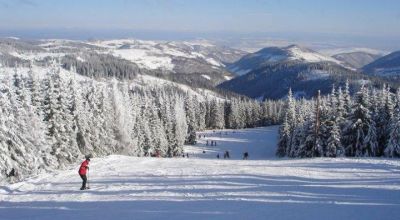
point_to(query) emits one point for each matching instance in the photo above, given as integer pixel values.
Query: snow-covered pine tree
(334, 146)
(216, 115)
(35, 91)
(291, 117)
(179, 127)
(325, 125)
(393, 147)
(284, 138)
(340, 110)
(233, 115)
(201, 116)
(8, 138)
(190, 120)
(347, 100)
(383, 115)
(360, 127)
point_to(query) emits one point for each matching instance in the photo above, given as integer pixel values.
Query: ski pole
(88, 186)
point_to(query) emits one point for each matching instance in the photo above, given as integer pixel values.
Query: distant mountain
(356, 60)
(270, 72)
(272, 81)
(387, 67)
(193, 62)
(273, 55)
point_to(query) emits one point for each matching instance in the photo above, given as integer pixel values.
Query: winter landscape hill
(175, 109)
(188, 62)
(204, 187)
(270, 72)
(271, 55)
(125, 101)
(386, 67)
(357, 59)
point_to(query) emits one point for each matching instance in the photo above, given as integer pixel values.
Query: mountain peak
(271, 55)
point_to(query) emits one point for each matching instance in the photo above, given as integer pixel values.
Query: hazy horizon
(330, 23)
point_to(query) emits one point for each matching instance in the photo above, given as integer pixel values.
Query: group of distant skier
(213, 143)
(84, 168)
(227, 155)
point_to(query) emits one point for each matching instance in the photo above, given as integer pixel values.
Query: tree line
(51, 120)
(366, 124)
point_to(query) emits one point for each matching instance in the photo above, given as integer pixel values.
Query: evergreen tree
(284, 136)
(393, 146)
(190, 120)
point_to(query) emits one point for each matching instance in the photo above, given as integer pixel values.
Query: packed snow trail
(203, 187)
(260, 143)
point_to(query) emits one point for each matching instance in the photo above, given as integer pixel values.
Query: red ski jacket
(84, 167)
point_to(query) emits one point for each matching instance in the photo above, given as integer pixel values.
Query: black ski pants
(84, 180)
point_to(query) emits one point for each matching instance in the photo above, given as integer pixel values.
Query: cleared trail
(203, 187)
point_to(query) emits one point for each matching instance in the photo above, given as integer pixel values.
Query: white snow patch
(228, 77)
(213, 62)
(299, 54)
(363, 82)
(36, 56)
(80, 59)
(203, 187)
(144, 59)
(206, 76)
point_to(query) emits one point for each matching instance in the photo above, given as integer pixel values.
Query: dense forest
(364, 125)
(51, 120)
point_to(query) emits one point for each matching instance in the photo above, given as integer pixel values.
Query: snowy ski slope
(203, 187)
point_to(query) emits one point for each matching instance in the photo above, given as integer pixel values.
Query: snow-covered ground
(204, 187)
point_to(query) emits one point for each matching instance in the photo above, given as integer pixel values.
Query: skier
(82, 172)
(245, 155)
(227, 154)
(218, 156)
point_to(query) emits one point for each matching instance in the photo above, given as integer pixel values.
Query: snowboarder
(83, 171)
(245, 155)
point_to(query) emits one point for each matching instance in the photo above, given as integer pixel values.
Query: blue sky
(366, 18)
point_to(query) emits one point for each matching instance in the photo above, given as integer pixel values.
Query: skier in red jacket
(82, 172)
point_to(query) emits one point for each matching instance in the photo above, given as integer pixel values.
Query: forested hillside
(50, 119)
